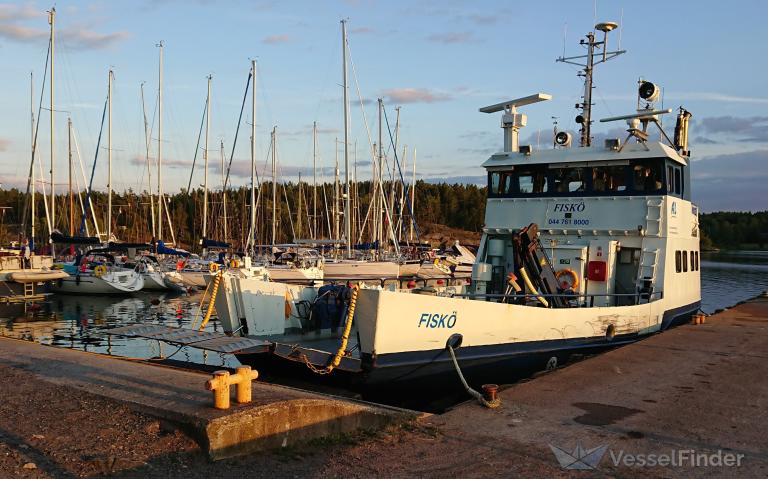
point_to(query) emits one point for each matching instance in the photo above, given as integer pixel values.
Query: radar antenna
(594, 49)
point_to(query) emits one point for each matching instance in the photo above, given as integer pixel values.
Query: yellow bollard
(221, 382)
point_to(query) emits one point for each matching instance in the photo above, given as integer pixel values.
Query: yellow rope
(200, 306)
(344, 338)
(212, 301)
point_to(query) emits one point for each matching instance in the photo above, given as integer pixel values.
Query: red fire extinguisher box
(597, 271)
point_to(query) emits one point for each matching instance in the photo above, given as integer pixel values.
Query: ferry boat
(584, 248)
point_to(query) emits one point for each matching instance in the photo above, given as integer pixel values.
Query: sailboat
(98, 270)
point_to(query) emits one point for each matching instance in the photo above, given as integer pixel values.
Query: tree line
(459, 206)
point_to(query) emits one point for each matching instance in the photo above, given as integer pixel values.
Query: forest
(458, 206)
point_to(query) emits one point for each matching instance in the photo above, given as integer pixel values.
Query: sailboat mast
(413, 195)
(205, 158)
(347, 197)
(160, 201)
(71, 197)
(147, 142)
(32, 144)
(314, 179)
(298, 212)
(223, 192)
(252, 231)
(336, 190)
(274, 187)
(52, 21)
(380, 206)
(109, 158)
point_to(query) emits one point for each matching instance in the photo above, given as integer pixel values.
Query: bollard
(698, 318)
(221, 382)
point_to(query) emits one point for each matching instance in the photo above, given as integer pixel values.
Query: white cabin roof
(577, 155)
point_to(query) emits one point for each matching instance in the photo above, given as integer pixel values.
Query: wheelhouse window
(501, 183)
(569, 180)
(609, 178)
(647, 177)
(531, 181)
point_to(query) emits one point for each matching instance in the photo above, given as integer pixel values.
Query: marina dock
(699, 389)
(277, 417)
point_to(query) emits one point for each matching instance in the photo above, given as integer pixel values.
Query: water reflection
(80, 322)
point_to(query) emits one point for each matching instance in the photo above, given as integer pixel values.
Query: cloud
(734, 182)
(702, 140)
(363, 30)
(743, 129)
(414, 95)
(452, 37)
(276, 39)
(483, 19)
(4, 143)
(80, 37)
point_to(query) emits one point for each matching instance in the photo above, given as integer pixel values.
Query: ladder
(646, 272)
(653, 217)
(29, 290)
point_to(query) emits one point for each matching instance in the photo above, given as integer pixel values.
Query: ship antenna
(597, 52)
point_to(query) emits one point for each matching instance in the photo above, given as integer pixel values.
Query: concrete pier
(277, 416)
(690, 392)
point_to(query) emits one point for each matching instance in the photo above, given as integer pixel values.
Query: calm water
(80, 322)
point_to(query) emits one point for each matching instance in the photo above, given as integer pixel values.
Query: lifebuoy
(213, 267)
(234, 263)
(568, 272)
(100, 271)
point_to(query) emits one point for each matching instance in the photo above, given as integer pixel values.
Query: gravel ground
(50, 431)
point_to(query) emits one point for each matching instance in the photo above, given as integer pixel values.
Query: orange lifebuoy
(569, 272)
(213, 267)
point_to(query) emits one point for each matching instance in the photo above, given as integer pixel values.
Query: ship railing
(588, 299)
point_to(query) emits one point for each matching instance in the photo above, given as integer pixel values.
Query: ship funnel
(511, 120)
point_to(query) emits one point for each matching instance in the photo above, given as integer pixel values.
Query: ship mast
(594, 49)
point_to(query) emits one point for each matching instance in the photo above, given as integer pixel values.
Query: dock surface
(695, 388)
(277, 417)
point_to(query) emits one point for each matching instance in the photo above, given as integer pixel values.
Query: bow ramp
(208, 340)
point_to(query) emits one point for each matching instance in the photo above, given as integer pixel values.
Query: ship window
(693, 262)
(678, 183)
(569, 180)
(685, 262)
(670, 178)
(678, 262)
(697, 261)
(501, 183)
(609, 178)
(647, 177)
(532, 182)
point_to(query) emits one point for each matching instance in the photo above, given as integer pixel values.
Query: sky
(439, 61)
